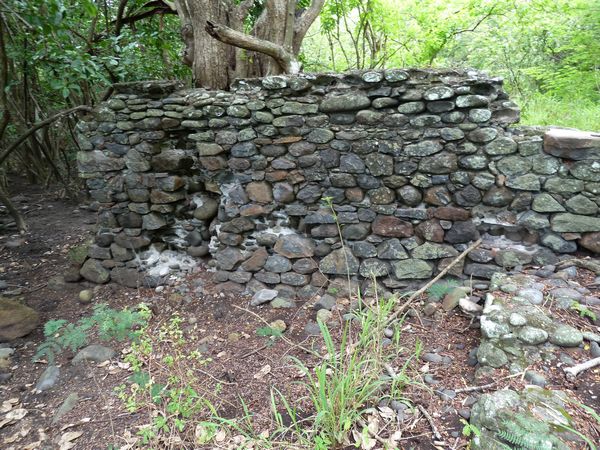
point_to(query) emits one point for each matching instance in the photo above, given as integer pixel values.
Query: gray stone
(277, 264)
(263, 296)
(572, 223)
(566, 336)
(532, 335)
(94, 353)
(423, 148)
(344, 102)
(545, 203)
(501, 146)
(48, 378)
(479, 115)
(558, 244)
(438, 93)
(412, 269)
(411, 107)
(533, 220)
(339, 262)
(528, 182)
(430, 250)
(483, 135)
(586, 170)
(373, 267)
(93, 271)
(97, 161)
(563, 186)
(533, 296)
(490, 355)
(471, 101)
(514, 165)
(580, 204)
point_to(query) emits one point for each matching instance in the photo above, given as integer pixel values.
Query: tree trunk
(219, 50)
(212, 62)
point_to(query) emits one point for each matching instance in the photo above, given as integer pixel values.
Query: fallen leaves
(265, 370)
(66, 440)
(13, 416)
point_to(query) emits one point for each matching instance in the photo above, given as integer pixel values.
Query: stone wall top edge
(307, 80)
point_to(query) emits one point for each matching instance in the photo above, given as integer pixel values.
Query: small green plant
(271, 333)
(164, 383)
(108, 323)
(438, 290)
(583, 311)
(469, 429)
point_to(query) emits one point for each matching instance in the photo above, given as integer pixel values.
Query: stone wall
(412, 165)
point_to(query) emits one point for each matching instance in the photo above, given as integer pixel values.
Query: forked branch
(286, 60)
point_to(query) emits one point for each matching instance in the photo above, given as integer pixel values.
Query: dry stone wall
(288, 181)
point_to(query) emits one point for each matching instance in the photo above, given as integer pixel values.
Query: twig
(434, 429)
(394, 317)
(572, 372)
(378, 438)
(589, 265)
(256, 350)
(486, 386)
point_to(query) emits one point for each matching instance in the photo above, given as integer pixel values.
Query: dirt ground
(225, 327)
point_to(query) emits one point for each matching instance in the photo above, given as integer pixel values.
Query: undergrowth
(169, 387)
(106, 322)
(540, 109)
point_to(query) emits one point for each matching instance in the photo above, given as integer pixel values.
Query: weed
(107, 322)
(583, 311)
(166, 386)
(470, 429)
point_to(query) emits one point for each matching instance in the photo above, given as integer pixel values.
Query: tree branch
(4, 154)
(285, 59)
(304, 22)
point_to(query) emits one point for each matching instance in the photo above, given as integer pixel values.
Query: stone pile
(287, 181)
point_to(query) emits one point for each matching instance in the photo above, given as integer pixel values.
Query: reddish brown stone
(239, 163)
(256, 261)
(287, 140)
(430, 230)
(451, 213)
(591, 241)
(572, 144)
(437, 195)
(252, 210)
(391, 226)
(260, 192)
(213, 162)
(276, 175)
(295, 177)
(355, 194)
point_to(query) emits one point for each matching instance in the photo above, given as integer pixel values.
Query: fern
(53, 326)
(438, 290)
(527, 433)
(109, 323)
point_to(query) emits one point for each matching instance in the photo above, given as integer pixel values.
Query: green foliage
(469, 429)
(526, 432)
(437, 291)
(172, 399)
(107, 322)
(269, 332)
(348, 380)
(583, 311)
